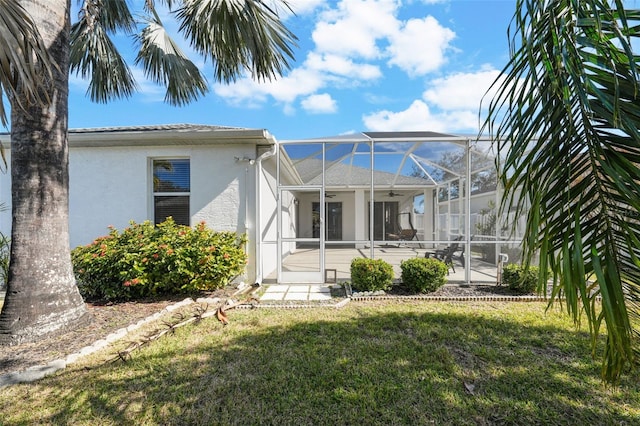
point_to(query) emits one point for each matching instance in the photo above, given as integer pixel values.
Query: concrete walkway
(297, 292)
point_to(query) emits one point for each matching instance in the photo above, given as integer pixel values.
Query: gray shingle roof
(341, 174)
(153, 128)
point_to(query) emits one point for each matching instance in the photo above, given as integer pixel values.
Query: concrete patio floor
(339, 259)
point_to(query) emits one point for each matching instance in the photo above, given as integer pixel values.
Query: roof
(165, 134)
(341, 174)
(152, 128)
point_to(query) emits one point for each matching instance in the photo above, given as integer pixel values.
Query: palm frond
(93, 54)
(111, 15)
(24, 60)
(571, 166)
(165, 63)
(238, 36)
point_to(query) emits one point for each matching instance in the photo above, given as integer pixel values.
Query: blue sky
(377, 65)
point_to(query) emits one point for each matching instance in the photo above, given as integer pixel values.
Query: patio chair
(447, 254)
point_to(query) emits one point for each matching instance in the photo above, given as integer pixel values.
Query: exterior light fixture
(245, 160)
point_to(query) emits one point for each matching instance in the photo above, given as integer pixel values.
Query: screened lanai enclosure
(388, 195)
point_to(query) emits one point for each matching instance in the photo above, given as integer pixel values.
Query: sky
(360, 65)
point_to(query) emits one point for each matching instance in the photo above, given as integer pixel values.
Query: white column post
(359, 217)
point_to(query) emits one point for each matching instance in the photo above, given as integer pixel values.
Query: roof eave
(163, 137)
(171, 137)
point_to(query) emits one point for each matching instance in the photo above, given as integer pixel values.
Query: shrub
(146, 260)
(519, 279)
(371, 274)
(423, 275)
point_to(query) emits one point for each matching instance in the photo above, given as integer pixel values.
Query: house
(307, 206)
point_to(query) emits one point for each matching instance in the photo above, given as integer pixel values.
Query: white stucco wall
(113, 185)
(107, 186)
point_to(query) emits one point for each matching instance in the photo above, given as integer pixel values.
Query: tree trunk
(42, 296)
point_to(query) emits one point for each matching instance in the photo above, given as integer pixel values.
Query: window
(171, 189)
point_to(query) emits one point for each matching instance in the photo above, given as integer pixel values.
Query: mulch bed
(105, 318)
(459, 290)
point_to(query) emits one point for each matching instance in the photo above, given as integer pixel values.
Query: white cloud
(341, 38)
(461, 90)
(353, 39)
(300, 82)
(245, 92)
(450, 104)
(419, 46)
(415, 117)
(320, 104)
(317, 72)
(354, 28)
(301, 7)
(342, 66)
(420, 117)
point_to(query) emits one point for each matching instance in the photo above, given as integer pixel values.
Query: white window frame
(154, 194)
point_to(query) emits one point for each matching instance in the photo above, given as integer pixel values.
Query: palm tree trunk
(42, 296)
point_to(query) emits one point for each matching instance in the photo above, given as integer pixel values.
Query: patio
(403, 193)
(339, 259)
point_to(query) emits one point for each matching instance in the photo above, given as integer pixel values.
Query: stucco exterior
(111, 180)
(244, 181)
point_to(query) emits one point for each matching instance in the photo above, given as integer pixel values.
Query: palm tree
(567, 118)
(236, 36)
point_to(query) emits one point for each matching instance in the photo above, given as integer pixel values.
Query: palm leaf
(165, 63)
(93, 54)
(111, 15)
(567, 118)
(24, 59)
(238, 36)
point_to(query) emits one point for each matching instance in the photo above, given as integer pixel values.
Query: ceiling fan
(327, 195)
(394, 194)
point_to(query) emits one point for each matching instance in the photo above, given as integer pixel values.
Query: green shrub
(423, 275)
(371, 274)
(146, 260)
(519, 279)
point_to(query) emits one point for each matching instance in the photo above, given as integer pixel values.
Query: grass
(368, 363)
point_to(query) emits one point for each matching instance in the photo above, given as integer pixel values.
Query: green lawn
(366, 364)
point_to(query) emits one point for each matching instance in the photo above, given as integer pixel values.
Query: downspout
(246, 207)
(245, 185)
(258, 210)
